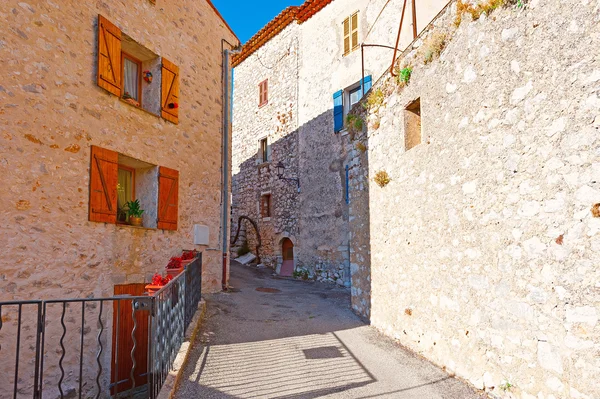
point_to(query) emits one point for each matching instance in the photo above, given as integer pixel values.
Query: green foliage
(301, 273)
(405, 74)
(244, 249)
(506, 386)
(134, 209)
(354, 123)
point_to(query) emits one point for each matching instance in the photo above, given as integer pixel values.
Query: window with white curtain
(131, 78)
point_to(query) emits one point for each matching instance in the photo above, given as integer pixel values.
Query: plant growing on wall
(382, 178)
(361, 147)
(433, 46)
(476, 10)
(354, 123)
(375, 99)
(301, 273)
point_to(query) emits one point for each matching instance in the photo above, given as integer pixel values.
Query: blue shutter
(338, 111)
(367, 83)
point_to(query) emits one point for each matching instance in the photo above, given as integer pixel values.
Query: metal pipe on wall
(225, 151)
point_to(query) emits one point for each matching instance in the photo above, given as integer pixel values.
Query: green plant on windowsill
(135, 212)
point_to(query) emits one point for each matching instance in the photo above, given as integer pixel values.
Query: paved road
(301, 342)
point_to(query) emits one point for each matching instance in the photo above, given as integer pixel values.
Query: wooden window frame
(132, 170)
(268, 198)
(263, 93)
(131, 58)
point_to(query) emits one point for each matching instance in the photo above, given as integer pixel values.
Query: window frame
(262, 207)
(131, 58)
(132, 170)
(264, 150)
(263, 93)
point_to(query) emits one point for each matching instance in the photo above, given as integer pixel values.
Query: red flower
(174, 263)
(187, 255)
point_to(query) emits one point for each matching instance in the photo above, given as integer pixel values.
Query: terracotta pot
(184, 263)
(152, 289)
(174, 272)
(135, 221)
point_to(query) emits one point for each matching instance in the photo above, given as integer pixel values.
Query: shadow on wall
(316, 219)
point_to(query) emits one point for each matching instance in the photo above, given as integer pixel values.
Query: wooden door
(287, 250)
(120, 373)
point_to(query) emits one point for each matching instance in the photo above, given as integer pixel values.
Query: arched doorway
(287, 250)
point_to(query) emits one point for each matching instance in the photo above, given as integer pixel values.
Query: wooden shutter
(168, 198)
(109, 56)
(338, 111)
(104, 177)
(170, 91)
(346, 36)
(367, 83)
(354, 23)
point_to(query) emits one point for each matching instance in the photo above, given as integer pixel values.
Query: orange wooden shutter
(168, 198)
(354, 24)
(346, 36)
(104, 176)
(109, 56)
(170, 91)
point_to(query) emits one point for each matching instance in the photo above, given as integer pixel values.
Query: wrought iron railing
(64, 348)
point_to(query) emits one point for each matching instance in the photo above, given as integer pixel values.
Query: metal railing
(61, 348)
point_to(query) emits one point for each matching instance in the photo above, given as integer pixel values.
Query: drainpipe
(225, 167)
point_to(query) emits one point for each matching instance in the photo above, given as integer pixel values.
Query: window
(132, 80)
(116, 179)
(265, 206)
(263, 93)
(344, 100)
(351, 33)
(412, 124)
(264, 150)
(136, 74)
(125, 191)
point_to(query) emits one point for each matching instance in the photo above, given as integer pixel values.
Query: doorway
(287, 250)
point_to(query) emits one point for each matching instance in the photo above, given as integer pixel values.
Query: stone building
(480, 250)
(83, 130)
(295, 81)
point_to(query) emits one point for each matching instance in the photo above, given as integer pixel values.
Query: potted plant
(157, 283)
(174, 267)
(188, 257)
(135, 212)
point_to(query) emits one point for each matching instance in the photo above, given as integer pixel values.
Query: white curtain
(124, 191)
(131, 78)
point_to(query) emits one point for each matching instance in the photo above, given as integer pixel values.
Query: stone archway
(287, 253)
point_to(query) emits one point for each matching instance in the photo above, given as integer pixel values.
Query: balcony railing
(122, 346)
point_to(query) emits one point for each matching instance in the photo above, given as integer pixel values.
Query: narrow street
(301, 340)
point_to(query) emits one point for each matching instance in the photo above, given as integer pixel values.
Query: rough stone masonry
(483, 251)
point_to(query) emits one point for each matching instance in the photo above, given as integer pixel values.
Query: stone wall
(52, 111)
(481, 253)
(277, 122)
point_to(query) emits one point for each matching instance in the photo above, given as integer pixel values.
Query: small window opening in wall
(263, 93)
(412, 124)
(132, 79)
(264, 150)
(265, 205)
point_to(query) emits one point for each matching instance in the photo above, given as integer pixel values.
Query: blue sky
(246, 17)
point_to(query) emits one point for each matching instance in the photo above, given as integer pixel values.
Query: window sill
(135, 227)
(263, 105)
(140, 108)
(262, 164)
(267, 219)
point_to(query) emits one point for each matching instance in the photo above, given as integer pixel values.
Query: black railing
(96, 347)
